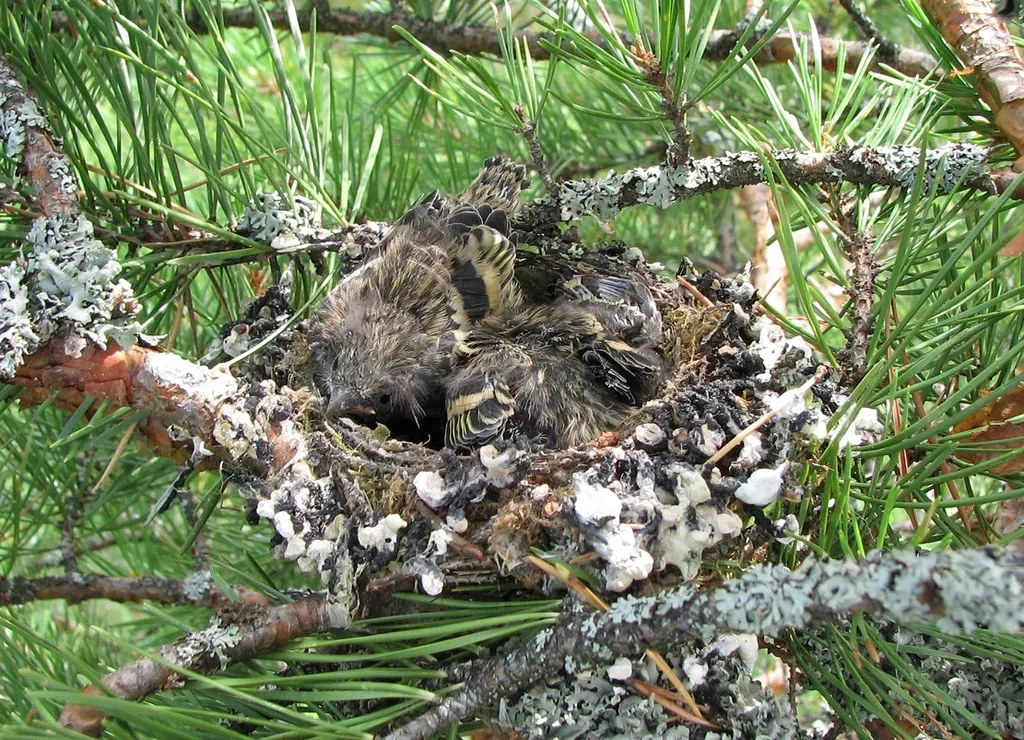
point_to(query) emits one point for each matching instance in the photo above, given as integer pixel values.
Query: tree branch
(445, 37)
(984, 44)
(859, 248)
(888, 48)
(28, 135)
(784, 47)
(67, 286)
(960, 591)
(663, 184)
(208, 651)
(196, 590)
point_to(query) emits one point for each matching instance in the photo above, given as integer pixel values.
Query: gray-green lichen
(197, 585)
(990, 689)
(209, 646)
(269, 216)
(68, 288)
(15, 120)
(957, 591)
(586, 703)
(17, 338)
(944, 167)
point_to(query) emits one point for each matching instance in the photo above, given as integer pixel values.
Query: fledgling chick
(381, 342)
(551, 371)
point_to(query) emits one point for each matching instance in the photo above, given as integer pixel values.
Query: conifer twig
(445, 37)
(196, 590)
(73, 508)
(528, 130)
(92, 544)
(953, 166)
(48, 168)
(886, 47)
(207, 651)
(675, 106)
(859, 248)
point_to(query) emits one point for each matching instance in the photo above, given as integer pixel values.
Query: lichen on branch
(947, 167)
(66, 286)
(958, 591)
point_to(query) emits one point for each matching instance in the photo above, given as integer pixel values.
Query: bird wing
(624, 368)
(478, 406)
(483, 269)
(498, 185)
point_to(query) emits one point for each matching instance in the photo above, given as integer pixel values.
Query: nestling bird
(562, 372)
(382, 341)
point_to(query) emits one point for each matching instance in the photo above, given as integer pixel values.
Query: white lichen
(763, 486)
(382, 536)
(430, 488)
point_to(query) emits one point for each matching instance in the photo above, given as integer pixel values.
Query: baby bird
(381, 342)
(562, 372)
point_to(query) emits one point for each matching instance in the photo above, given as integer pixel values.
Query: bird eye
(384, 399)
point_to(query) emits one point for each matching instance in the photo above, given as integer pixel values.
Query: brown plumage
(561, 372)
(382, 340)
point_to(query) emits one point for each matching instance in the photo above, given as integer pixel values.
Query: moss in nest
(685, 328)
(377, 489)
(399, 498)
(516, 528)
(307, 408)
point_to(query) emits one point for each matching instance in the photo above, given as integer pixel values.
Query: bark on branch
(984, 45)
(950, 167)
(953, 166)
(67, 285)
(28, 135)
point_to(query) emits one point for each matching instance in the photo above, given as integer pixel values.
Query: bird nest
(741, 409)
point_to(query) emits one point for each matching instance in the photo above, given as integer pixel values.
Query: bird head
(373, 362)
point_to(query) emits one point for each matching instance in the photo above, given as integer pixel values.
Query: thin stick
(735, 441)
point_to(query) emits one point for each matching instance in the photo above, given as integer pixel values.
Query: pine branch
(984, 44)
(208, 651)
(859, 248)
(173, 390)
(444, 37)
(196, 590)
(28, 136)
(528, 130)
(99, 542)
(960, 591)
(785, 47)
(68, 285)
(955, 165)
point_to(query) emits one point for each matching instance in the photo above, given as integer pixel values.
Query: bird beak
(341, 404)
